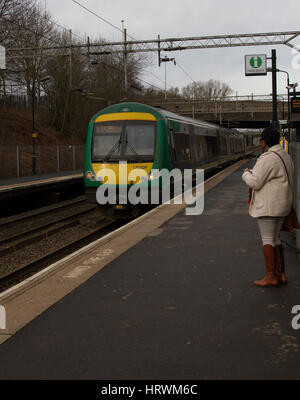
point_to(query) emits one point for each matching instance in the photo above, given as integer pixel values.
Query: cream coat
(272, 195)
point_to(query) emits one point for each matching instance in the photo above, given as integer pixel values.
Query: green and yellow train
(147, 139)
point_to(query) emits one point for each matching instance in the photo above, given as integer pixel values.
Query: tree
(78, 86)
(210, 90)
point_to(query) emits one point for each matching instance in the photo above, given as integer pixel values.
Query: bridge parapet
(229, 110)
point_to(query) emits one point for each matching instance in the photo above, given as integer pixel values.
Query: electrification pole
(125, 58)
(71, 77)
(34, 135)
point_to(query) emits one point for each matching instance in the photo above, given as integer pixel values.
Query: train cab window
(106, 139)
(122, 140)
(139, 139)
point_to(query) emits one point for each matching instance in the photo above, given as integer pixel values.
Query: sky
(185, 18)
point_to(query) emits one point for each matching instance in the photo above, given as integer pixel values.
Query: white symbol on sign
(256, 62)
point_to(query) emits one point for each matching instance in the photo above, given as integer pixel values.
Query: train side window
(212, 145)
(204, 146)
(182, 147)
(199, 147)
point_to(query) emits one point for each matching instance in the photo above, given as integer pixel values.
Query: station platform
(37, 180)
(171, 297)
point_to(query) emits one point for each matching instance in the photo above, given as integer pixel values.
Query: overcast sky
(184, 18)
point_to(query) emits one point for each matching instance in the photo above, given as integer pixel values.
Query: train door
(172, 146)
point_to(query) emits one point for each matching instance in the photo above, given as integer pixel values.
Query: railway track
(13, 240)
(29, 243)
(29, 215)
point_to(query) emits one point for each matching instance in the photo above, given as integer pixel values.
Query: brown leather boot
(270, 279)
(280, 265)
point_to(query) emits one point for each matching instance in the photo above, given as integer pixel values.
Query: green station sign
(256, 64)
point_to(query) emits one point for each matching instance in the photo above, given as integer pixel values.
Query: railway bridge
(233, 112)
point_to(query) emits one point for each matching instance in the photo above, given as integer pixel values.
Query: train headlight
(89, 175)
(154, 175)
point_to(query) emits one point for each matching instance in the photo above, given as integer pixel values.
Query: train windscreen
(106, 140)
(139, 139)
(126, 141)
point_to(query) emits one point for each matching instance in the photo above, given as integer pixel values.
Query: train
(146, 138)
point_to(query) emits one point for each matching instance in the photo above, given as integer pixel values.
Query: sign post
(256, 65)
(275, 123)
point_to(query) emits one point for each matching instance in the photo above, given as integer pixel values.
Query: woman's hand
(246, 170)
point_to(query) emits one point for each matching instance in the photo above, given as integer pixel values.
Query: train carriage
(148, 138)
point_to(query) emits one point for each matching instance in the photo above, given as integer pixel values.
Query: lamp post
(291, 86)
(165, 60)
(289, 108)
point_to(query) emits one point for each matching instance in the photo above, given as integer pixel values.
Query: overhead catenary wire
(98, 16)
(117, 28)
(101, 18)
(186, 73)
(64, 46)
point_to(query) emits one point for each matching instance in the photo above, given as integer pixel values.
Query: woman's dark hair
(271, 136)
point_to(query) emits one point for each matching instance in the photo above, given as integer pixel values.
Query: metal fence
(21, 101)
(16, 161)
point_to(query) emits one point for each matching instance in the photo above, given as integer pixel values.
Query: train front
(120, 153)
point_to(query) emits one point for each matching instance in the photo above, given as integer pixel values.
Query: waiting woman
(271, 181)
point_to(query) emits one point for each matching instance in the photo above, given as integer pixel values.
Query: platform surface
(8, 184)
(180, 304)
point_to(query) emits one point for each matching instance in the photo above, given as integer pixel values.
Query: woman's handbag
(250, 195)
(290, 222)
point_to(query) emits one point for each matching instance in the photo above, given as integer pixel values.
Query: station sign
(2, 58)
(296, 104)
(256, 64)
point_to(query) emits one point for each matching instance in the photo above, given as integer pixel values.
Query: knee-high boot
(280, 265)
(270, 279)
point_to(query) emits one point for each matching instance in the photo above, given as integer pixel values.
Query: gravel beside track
(37, 246)
(28, 215)
(17, 230)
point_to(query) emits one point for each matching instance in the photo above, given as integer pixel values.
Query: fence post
(58, 158)
(40, 160)
(74, 157)
(18, 162)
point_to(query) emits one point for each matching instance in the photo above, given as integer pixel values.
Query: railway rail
(28, 243)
